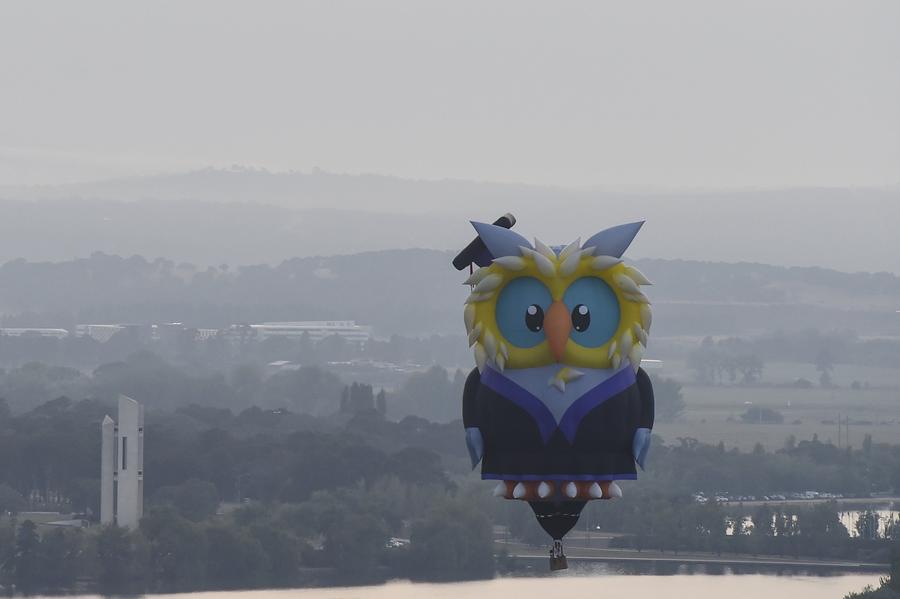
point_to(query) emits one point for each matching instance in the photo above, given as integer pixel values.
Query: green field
(780, 373)
(712, 413)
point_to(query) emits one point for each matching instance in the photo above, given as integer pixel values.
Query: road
(577, 552)
(853, 502)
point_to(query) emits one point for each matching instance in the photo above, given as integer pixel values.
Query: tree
(824, 363)
(282, 550)
(668, 400)
(61, 556)
(738, 526)
(381, 402)
(247, 380)
(821, 526)
(893, 581)
(236, 559)
(704, 361)
(452, 542)
(867, 445)
(178, 550)
(25, 566)
(7, 545)
(300, 519)
(866, 525)
(345, 400)
(430, 394)
(354, 541)
(122, 558)
(763, 530)
(195, 499)
(358, 398)
(417, 465)
(711, 524)
(308, 389)
(11, 501)
(750, 366)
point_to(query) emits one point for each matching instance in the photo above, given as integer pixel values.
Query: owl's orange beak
(557, 326)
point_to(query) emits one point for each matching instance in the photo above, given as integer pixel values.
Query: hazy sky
(689, 93)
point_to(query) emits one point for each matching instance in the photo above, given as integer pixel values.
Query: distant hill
(417, 292)
(245, 216)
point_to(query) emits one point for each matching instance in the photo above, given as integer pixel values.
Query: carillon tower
(122, 466)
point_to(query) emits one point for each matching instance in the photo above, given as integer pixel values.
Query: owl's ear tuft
(500, 241)
(615, 240)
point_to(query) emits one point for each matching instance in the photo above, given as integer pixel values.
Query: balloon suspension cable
(557, 549)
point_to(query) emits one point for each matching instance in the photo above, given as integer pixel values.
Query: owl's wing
(471, 410)
(647, 407)
(641, 443)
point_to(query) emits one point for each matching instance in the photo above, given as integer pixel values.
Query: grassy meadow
(712, 413)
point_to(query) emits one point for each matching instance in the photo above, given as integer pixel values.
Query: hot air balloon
(558, 408)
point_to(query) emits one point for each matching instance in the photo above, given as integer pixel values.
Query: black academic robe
(591, 442)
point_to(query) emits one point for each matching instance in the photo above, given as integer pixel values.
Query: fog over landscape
(242, 216)
(737, 135)
(698, 94)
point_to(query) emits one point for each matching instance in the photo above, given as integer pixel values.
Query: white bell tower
(122, 466)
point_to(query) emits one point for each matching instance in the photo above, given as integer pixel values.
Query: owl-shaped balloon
(558, 407)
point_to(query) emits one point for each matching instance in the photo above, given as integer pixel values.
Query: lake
(574, 586)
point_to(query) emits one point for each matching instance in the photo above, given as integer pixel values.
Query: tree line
(709, 298)
(816, 531)
(224, 351)
(340, 495)
(49, 455)
(741, 360)
(433, 393)
(341, 536)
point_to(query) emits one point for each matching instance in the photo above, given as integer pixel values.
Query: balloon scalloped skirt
(554, 491)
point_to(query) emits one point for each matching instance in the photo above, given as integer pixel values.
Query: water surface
(750, 586)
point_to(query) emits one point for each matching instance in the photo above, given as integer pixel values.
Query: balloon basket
(557, 557)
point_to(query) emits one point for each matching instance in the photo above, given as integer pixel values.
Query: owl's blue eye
(520, 311)
(595, 311)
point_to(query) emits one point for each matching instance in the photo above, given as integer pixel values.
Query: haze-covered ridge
(416, 292)
(246, 216)
(292, 189)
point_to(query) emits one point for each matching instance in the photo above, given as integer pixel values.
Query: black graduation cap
(476, 251)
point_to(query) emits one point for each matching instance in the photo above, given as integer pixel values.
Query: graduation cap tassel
(477, 247)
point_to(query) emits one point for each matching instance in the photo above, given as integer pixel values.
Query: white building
(98, 332)
(35, 332)
(205, 334)
(122, 466)
(316, 329)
